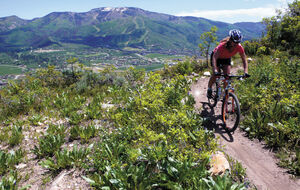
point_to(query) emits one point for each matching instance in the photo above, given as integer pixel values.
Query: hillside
(115, 28)
(11, 22)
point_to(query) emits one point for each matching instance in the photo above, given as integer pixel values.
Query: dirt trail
(259, 162)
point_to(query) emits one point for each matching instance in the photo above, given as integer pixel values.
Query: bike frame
(226, 80)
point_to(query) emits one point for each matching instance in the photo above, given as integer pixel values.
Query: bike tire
(214, 98)
(231, 112)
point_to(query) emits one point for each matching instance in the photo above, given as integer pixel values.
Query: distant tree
(290, 30)
(251, 47)
(72, 61)
(283, 30)
(208, 39)
(272, 38)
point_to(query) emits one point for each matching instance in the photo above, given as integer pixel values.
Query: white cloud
(285, 1)
(231, 16)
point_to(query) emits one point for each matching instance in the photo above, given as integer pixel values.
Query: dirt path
(259, 162)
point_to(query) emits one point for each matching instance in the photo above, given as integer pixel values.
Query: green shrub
(16, 136)
(85, 133)
(9, 160)
(67, 159)
(11, 182)
(153, 168)
(57, 130)
(75, 117)
(48, 145)
(270, 101)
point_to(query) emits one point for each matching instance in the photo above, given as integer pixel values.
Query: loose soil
(260, 163)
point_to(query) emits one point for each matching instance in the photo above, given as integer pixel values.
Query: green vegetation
(10, 69)
(282, 34)
(9, 160)
(90, 57)
(270, 99)
(148, 132)
(152, 67)
(157, 55)
(283, 30)
(186, 67)
(208, 39)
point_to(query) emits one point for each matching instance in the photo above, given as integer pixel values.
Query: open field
(10, 69)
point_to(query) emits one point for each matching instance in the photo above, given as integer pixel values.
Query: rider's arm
(245, 62)
(214, 61)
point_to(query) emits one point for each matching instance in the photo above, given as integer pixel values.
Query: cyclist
(221, 56)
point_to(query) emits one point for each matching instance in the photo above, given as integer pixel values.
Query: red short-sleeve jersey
(224, 53)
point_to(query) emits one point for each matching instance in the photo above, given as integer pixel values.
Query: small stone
(104, 106)
(207, 73)
(21, 166)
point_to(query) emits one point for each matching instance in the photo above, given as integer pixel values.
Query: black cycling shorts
(220, 62)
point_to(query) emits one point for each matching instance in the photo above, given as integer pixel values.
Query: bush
(48, 145)
(270, 100)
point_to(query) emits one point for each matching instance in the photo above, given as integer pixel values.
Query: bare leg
(212, 79)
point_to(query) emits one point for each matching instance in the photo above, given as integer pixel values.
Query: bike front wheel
(231, 112)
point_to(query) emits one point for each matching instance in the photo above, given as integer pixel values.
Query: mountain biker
(221, 56)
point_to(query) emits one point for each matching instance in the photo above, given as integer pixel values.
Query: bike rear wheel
(231, 112)
(214, 98)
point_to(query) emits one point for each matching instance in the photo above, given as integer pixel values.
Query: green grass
(147, 68)
(151, 67)
(9, 69)
(132, 49)
(157, 55)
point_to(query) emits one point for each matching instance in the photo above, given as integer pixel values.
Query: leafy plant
(35, 119)
(238, 172)
(75, 117)
(85, 133)
(223, 182)
(4, 133)
(48, 145)
(57, 130)
(208, 39)
(66, 159)
(9, 160)
(290, 160)
(16, 136)
(11, 182)
(94, 109)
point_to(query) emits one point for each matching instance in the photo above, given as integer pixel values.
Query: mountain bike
(230, 104)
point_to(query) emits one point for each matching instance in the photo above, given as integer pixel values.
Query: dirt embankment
(259, 162)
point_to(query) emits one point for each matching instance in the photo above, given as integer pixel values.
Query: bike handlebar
(232, 76)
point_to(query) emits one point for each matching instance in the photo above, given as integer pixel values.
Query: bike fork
(226, 102)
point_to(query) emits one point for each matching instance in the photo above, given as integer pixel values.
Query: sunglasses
(234, 42)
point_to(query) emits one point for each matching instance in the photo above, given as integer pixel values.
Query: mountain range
(115, 28)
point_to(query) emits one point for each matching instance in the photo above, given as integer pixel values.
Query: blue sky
(230, 11)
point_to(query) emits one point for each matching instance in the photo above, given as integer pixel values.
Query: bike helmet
(235, 35)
